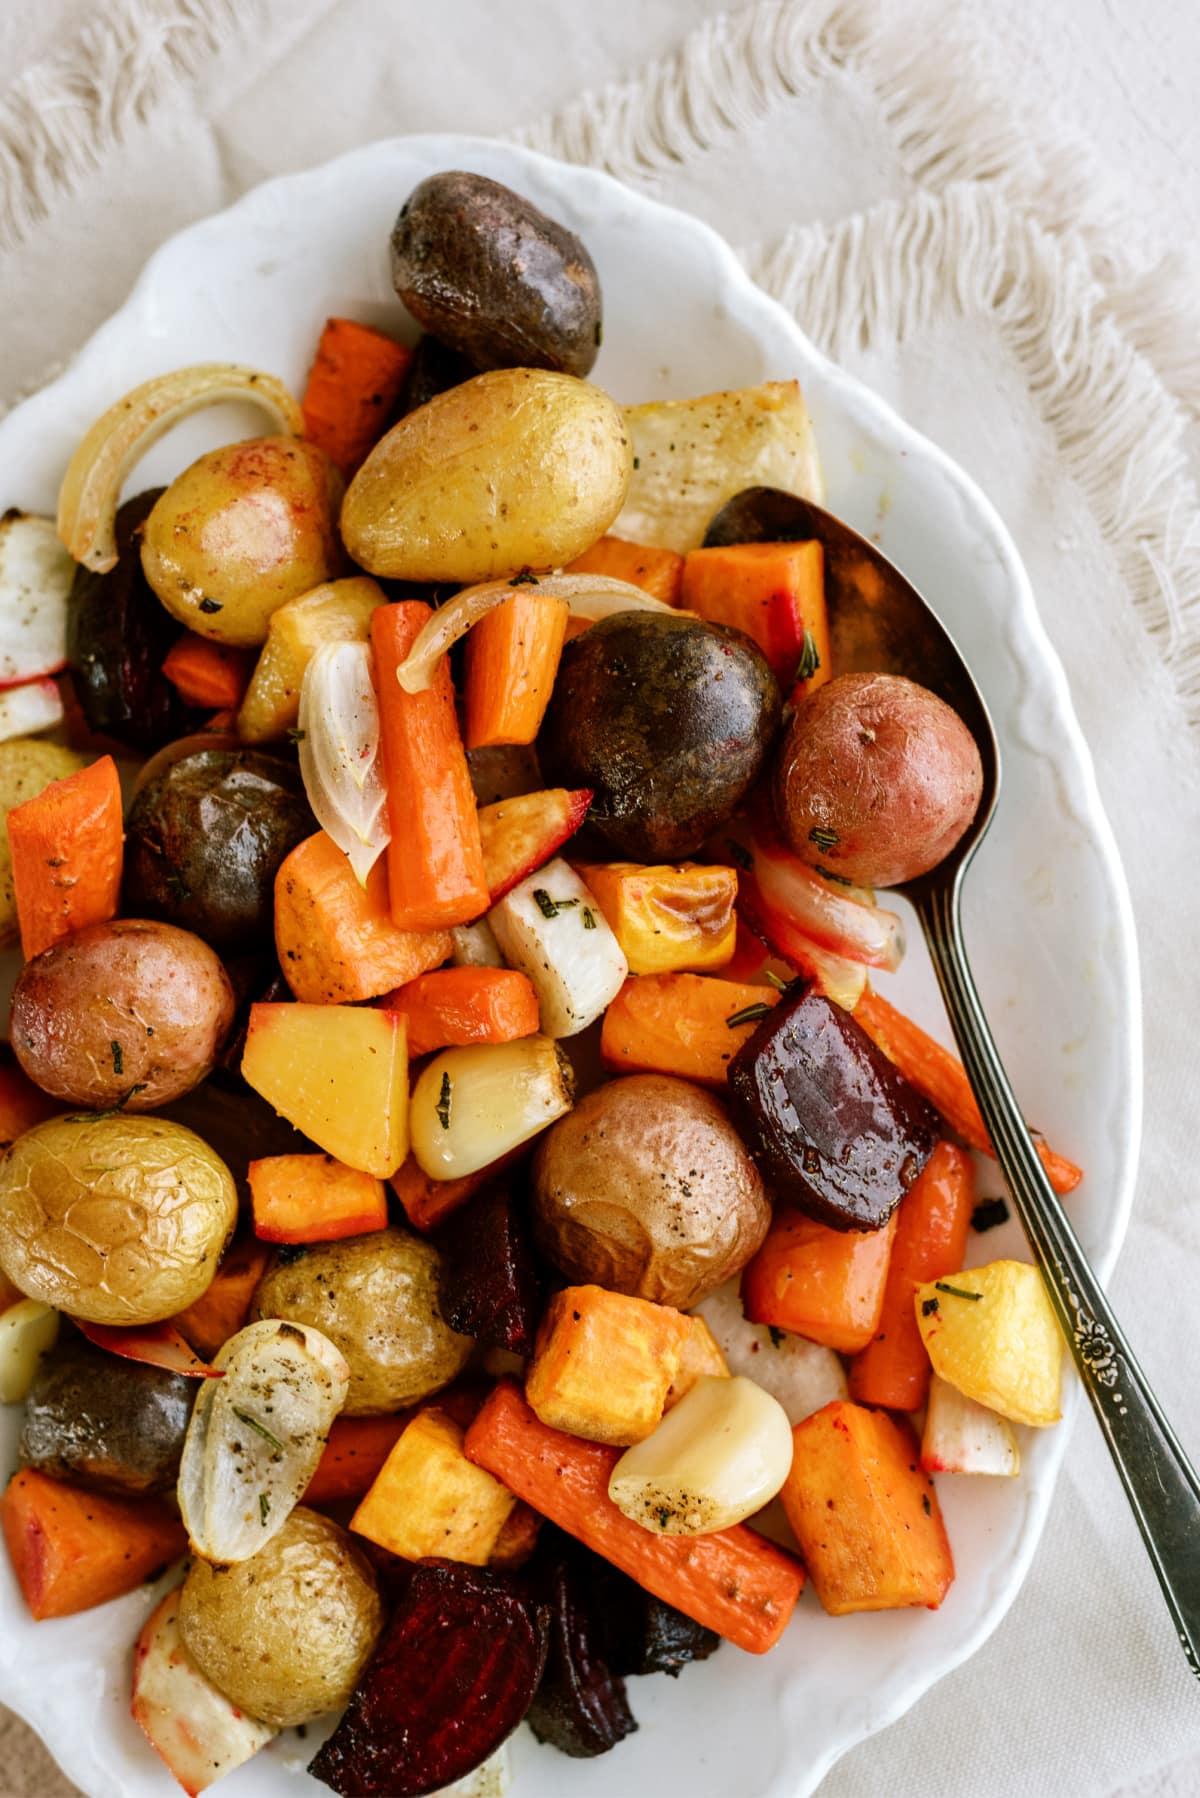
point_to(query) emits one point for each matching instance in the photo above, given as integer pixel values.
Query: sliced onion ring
(590, 596)
(91, 489)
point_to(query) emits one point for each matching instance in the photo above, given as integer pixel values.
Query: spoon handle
(1159, 1480)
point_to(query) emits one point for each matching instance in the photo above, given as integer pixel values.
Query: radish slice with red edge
(158, 1345)
(36, 575)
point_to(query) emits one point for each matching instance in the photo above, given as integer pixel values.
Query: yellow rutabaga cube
(992, 1333)
(334, 612)
(428, 1499)
(667, 919)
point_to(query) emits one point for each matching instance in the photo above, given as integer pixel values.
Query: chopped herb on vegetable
(957, 1292)
(118, 1058)
(928, 1307)
(443, 1105)
(260, 1429)
(810, 658)
(989, 1213)
(824, 838)
(549, 907)
(749, 1014)
(589, 918)
(778, 1336)
(264, 1508)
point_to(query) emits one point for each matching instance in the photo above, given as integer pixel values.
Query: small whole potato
(241, 530)
(494, 278)
(519, 468)
(647, 1189)
(376, 1298)
(285, 1634)
(877, 779)
(132, 1013)
(115, 1219)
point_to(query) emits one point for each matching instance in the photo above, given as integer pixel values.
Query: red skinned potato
(877, 779)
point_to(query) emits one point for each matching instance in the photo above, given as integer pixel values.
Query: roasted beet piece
(490, 1287)
(832, 1125)
(118, 635)
(454, 1674)
(580, 1708)
(643, 1634)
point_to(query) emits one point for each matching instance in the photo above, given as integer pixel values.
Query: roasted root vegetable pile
(459, 1170)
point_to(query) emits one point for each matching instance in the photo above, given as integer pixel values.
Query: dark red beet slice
(832, 1125)
(453, 1676)
(643, 1634)
(580, 1708)
(490, 1287)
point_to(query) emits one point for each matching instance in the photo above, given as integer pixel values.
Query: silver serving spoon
(878, 621)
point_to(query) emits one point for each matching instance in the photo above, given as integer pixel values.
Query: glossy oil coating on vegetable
(205, 839)
(245, 528)
(375, 1297)
(877, 779)
(114, 1424)
(519, 468)
(132, 1012)
(285, 1634)
(120, 1220)
(668, 719)
(832, 1125)
(646, 1188)
(494, 278)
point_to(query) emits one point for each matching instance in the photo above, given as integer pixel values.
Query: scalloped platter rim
(1047, 908)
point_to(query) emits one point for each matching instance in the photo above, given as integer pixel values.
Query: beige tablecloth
(906, 178)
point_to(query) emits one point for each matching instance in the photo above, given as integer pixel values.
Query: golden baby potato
(113, 1218)
(518, 468)
(245, 528)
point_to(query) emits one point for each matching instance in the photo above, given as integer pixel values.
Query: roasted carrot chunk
(313, 1198)
(354, 1452)
(207, 673)
(72, 1549)
(353, 387)
(681, 1024)
(66, 846)
(733, 1581)
(825, 1284)
(454, 1006)
(775, 593)
(657, 571)
(512, 659)
(220, 1312)
(931, 1238)
(22, 1104)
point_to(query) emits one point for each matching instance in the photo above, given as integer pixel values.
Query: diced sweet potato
(680, 1024)
(220, 1312)
(657, 571)
(700, 1356)
(354, 1453)
(604, 1364)
(865, 1516)
(428, 1499)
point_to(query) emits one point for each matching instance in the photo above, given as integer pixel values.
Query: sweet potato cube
(72, 1549)
(775, 592)
(700, 1356)
(656, 571)
(991, 1331)
(313, 1198)
(825, 1284)
(428, 1499)
(679, 1024)
(334, 612)
(865, 1516)
(604, 1363)
(335, 939)
(667, 918)
(339, 1073)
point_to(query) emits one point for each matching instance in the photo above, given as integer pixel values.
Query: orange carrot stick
(71, 1549)
(931, 1239)
(354, 1452)
(466, 1005)
(734, 1581)
(942, 1078)
(825, 1284)
(353, 386)
(657, 571)
(207, 673)
(512, 659)
(436, 875)
(66, 852)
(679, 1024)
(313, 1198)
(335, 939)
(427, 1202)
